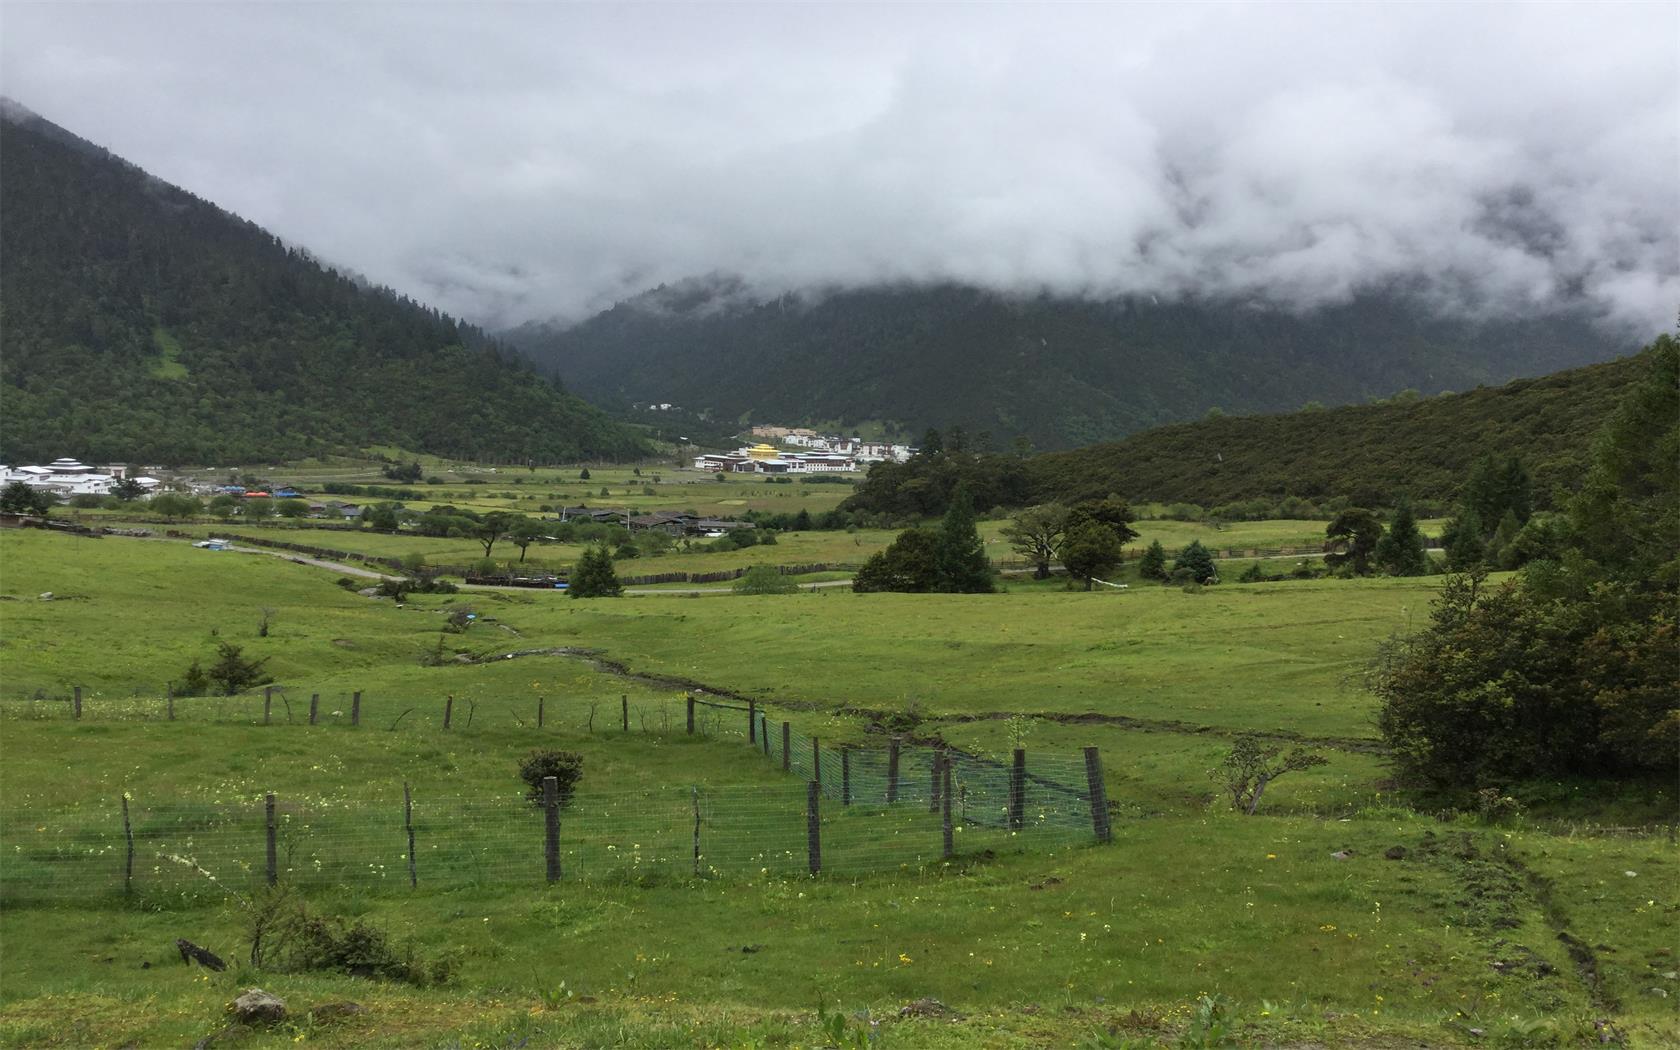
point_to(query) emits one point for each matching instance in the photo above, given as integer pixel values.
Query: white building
(67, 477)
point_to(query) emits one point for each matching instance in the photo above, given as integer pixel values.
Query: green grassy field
(1037, 943)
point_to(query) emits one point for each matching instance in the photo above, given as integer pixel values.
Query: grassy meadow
(1293, 924)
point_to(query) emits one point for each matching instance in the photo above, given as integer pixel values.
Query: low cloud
(527, 162)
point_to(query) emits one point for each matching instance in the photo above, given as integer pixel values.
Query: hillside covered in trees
(142, 323)
(1059, 372)
(1370, 454)
(1427, 450)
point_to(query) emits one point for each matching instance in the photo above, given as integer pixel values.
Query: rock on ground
(258, 1007)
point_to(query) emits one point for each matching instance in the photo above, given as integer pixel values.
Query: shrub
(566, 767)
(194, 682)
(1517, 683)
(765, 579)
(1245, 772)
(234, 674)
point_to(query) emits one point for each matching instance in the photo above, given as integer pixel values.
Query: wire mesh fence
(843, 809)
(185, 852)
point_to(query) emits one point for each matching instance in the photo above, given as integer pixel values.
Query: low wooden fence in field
(846, 808)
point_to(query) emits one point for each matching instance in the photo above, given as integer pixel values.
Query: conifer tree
(1153, 564)
(1199, 560)
(594, 576)
(1462, 539)
(1400, 551)
(963, 568)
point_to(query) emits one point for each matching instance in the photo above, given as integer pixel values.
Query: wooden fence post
(551, 827)
(408, 826)
(1099, 796)
(128, 862)
(694, 793)
(945, 806)
(356, 708)
(268, 703)
(624, 710)
(78, 702)
(892, 769)
(273, 852)
(813, 825)
(787, 744)
(169, 699)
(752, 721)
(1018, 790)
(539, 712)
(845, 775)
(934, 784)
(690, 698)
(314, 707)
(448, 709)
(816, 762)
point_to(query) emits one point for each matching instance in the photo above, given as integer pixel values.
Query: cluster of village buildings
(69, 477)
(672, 522)
(829, 453)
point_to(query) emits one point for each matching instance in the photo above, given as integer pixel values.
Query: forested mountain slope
(138, 322)
(1061, 372)
(1370, 454)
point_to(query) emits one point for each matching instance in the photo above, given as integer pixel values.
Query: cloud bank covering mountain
(510, 163)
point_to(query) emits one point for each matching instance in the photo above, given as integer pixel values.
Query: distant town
(829, 453)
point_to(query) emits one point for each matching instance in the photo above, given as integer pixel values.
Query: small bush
(764, 579)
(566, 767)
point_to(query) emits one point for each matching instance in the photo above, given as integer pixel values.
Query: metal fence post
(945, 806)
(1018, 790)
(845, 775)
(448, 709)
(813, 826)
(78, 702)
(408, 825)
(787, 753)
(314, 707)
(551, 827)
(1099, 796)
(690, 698)
(356, 708)
(128, 837)
(752, 721)
(624, 710)
(273, 852)
(892, 769)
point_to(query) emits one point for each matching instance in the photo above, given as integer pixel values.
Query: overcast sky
(508, 163)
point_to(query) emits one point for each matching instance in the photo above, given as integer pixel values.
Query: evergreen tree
(1401, 552)
(1628, 511)
(19, 498)
(1090, 550)
(1462, 539)
(909, 564)
(1482, 493)
(593, 577)
(1153, 565)
(1199, 560)
(1516, 490)
(1502, 536)
(963, 568)
(1353, 537)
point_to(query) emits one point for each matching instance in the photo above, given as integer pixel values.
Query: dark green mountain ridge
(1058, 371)
(1369, 454)
(139, 322)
